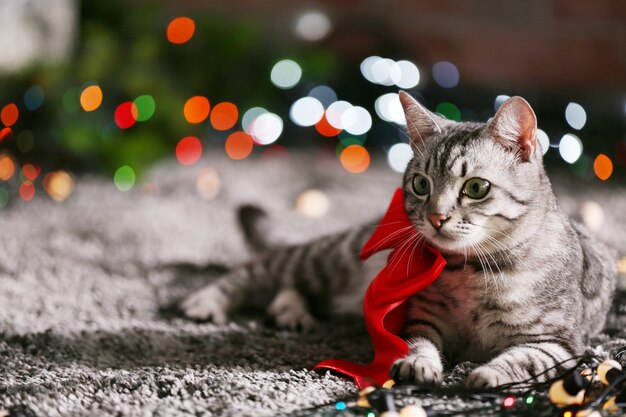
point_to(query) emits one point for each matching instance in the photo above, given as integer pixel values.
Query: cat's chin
(446, 245)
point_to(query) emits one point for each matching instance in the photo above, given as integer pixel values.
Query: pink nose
(437, 219)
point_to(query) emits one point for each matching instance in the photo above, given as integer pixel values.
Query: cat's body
(523, 287)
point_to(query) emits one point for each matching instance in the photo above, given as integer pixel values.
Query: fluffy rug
(87, 289)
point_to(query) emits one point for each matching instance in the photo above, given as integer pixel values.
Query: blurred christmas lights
(188, 150)
(180, 30)
(312, 203)
(208, 183)
(238, 145)
(224, 116)
(196, 109)
(306, 111)
(145, 107)
(446, 74)
(9, 114)
(91, 98)
(544, 140)
(7, 167)
(124, 178)
(592, 215)
(285, 74)
(59, 185)
(575, 116)
(355, 159)
(266, 128)
(34, 97)
(313, 26)
(570, 148)
(125, 115)
(399, 156)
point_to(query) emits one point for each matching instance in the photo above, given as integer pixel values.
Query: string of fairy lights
(592, 388)
(320, 109)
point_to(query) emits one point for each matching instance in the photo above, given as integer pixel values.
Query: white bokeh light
(575, 115)
(592, 215)
(500, 101)
(356, 120)
(335, 112)
(266, 128)
(313, 203)
(285, 74)
(381, 71)
(366, 68)
(306, 111)
(389, 109)
(313, 26)
(399, 156)
(544, 140)
(409, 75)
(570, 148)
(249, 116)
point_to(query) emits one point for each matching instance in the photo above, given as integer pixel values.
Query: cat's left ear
(515, 127)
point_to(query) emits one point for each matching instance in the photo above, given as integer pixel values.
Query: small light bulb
(609, 370)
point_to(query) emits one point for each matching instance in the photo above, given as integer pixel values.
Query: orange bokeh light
(603, 167)
(224, 116)
(239, 145)
(180, 30)
(326, 129)
(355, 158)
(27, 191)
(9, 115)
(91, 98)
(7, 168)
(196, 109)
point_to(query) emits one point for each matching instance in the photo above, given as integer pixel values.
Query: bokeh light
(603, 167)
(208, 183)
(592, 215)
(313, 26)
(30, 171)
(355, 159)
(312, 203)
(27, 191)
(180, 30)
(285, 74)
(356, 120)
(266, 128)
(188, 150)
(196, 109)
(124, 178)
(334, 113)
(238, 145)
(5, 133)
(59, 185)
(446, 74)
(409, 75)
(499, 101)
(306, 111)
(449, 111)
(382, 69)
(4, 197)
(326, 129)
(324, 94)
(249, 116)
(570, 148)
(7, 167)
(146, 106)
(125, 115)
(71, 100)
(575, 115)
(91, 98)
(224, 116)
(399, 156)
(34, 97)
(389, 109)
(9, 114)
(544, 140)
(366, 67)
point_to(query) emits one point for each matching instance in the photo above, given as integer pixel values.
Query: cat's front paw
(415, 368)
(208, 304)
(486, 377)
(288, 310)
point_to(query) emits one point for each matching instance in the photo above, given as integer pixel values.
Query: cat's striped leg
(423, 364)
(539, 361)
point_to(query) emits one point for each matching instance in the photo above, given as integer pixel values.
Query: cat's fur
(523, 288)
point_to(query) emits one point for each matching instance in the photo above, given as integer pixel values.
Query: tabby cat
(523, 288)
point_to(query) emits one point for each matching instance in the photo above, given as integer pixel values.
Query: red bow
(410, 268)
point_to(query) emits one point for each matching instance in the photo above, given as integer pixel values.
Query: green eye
(421, 185)
(476, 188)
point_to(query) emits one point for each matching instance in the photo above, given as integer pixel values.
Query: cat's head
(475, 187)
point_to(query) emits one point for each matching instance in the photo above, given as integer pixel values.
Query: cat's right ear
(420, 122)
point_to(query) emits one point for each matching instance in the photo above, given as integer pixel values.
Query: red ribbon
(410, 268)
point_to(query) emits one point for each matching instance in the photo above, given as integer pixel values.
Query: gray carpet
(87, 287)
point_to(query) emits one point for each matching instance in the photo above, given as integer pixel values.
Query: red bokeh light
(125, 115)
(189, 150)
